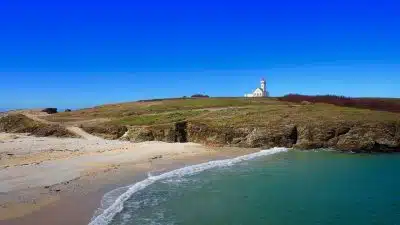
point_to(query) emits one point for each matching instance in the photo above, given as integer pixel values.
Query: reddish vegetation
(382, 104)
(200, 96)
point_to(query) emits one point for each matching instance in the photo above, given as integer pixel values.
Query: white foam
(108, 214)
(109, 198)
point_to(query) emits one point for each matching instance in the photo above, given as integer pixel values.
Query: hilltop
(242, 122)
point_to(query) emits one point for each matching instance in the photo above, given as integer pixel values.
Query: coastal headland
(247, 123)
(61, 164)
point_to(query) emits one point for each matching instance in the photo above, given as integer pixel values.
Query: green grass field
(221, 111)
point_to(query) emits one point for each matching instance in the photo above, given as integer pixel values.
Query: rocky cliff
(345, 136)
(246, 122)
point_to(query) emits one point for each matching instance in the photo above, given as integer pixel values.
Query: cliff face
(106, 131)
(176, 132)
(247, 122)
(356, 137)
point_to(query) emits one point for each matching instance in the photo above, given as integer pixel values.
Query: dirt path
(37, 118)
(80, 132)
(83, 134)
(76, 130)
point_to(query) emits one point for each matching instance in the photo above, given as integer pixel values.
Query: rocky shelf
(356, 137)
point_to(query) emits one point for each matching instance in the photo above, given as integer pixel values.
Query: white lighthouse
(264, 87)
(261, 91)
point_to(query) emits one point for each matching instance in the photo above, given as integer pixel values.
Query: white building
(259, 92)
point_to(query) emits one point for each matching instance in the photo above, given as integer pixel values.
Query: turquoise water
(285, 188)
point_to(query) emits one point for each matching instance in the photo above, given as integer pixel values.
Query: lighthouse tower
(259, 92)
(264, 87)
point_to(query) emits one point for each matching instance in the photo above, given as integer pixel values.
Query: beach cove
(71, 167)
(51, 176)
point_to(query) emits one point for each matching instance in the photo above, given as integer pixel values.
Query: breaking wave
(106, 216)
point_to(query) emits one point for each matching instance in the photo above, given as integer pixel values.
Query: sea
(274, 186)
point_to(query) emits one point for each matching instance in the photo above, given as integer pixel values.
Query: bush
(158, 99)
(363, 103)
(200, 96)
(50, 110)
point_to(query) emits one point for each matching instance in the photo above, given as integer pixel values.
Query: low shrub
(382, 104)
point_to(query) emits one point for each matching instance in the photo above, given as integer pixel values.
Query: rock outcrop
(344, 136)
(168, 133)
(107, 131)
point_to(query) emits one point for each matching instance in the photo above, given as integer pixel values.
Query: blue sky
(73, 54)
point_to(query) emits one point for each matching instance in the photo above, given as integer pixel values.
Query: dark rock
(181, 132)
(156, 157)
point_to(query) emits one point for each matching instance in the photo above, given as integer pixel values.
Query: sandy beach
(46, 180)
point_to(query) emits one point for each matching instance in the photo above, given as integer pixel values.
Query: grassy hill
(224, 111)
(133, 109)
(316, 122)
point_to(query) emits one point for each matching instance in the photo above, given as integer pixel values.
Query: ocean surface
(271, 187)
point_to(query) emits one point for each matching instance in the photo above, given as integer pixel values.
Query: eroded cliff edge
(345, 136)
(240, 122)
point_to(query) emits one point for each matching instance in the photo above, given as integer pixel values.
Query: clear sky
(71, 54)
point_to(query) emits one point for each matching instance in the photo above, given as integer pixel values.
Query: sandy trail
(36, 116)
(80, 132)
(74, 129)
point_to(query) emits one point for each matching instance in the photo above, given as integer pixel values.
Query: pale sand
(61, 181)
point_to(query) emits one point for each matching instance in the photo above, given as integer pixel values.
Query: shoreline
(74, 201)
